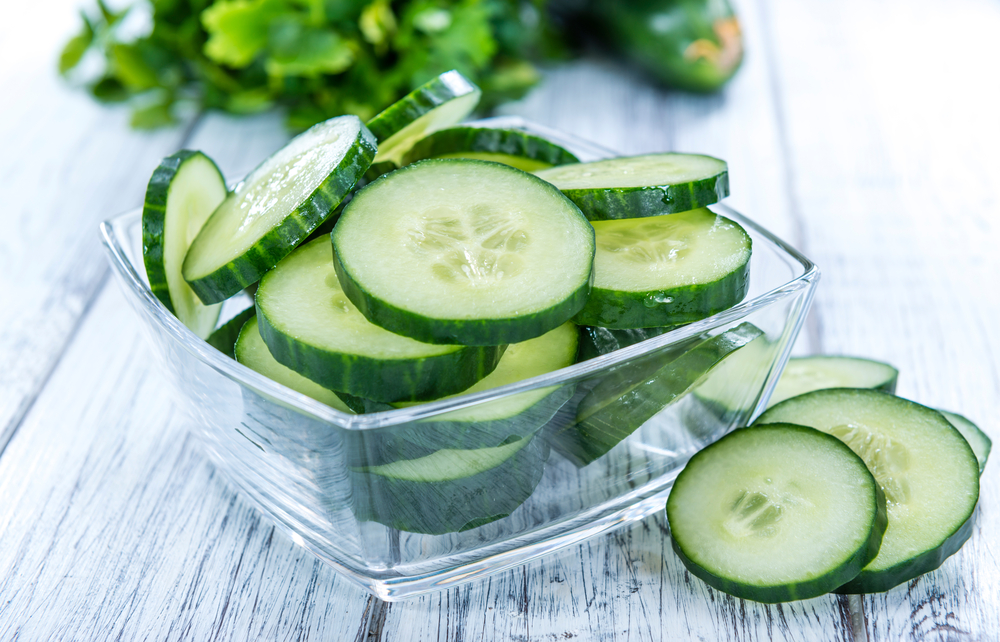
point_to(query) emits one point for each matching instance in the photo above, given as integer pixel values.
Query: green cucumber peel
(525, 151)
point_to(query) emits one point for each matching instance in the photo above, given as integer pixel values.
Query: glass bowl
(421, 498)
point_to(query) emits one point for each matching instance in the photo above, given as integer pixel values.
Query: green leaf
(154, 114)
(109, 90)
(251, 101)
(131, 67)
(111, 18)
(238, 29)
(77, 46)
(300, 50)
(378, 24)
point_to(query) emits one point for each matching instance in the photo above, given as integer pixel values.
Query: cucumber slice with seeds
(310, 326)
(776, 513)
(928, 472)
(251, 351)
(508, 146)
(438, 103)
(464, 252)
(182, 193)
(805, 374)
(978, 441)
(277, 206)
(666, 270)
(637, 186)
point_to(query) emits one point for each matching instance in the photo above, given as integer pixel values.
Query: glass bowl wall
(409, 500)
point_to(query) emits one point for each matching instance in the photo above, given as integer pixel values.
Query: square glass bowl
(422, 498)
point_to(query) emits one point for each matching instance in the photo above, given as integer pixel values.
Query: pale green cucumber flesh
(251, 351)
(638, 186)
(522, 150)
(310, 325)
(776, 513)
(182, 193)
(635, 392)
(978, 441)
(927, 470)
(441, 102)
(805, 374)
(666, 270)
(464, 252)
(277, 206)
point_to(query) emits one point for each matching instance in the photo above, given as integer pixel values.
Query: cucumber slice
(508, 146)
(224, 339)
(595, 341)
(928, 472)
(463, 251)
(450, 490)
(805, 374)
(632, 394)
(310, 326)
(277, 206)
(636, 186)
(183, 192)
(776, 513)
(978, 441)
(438, 103)
(251, 351)
(666, 270)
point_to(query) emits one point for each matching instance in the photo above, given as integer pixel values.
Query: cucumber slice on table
(464, 251)
(928, 472)
(277, 206)
(633, 393)
(508, 146)
(805, 374)
(637, 186)
(776, 513)
(450, 490)
(252, 352)
(666, 270)
(310, 326)
(978, 441)
(440, 102)
(182, 193)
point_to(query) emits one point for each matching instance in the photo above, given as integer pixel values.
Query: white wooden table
(864, 132)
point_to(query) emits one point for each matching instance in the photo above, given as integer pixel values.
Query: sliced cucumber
(805, 374)
(224, 339)
(309, 325)
(978, 441)
(928, 472)
(438, 103)
(508, 146)
(463, 251)
(666, 270)
(182, 193)
(776, 513)
(450, 490)
(636, 186)
(252, 352)
(632, 394)
(277, 206)
(595, 341)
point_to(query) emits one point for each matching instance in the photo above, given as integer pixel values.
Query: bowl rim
(244, 376)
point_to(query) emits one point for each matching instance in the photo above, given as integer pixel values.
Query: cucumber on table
(310, 326)
(464, 252)
(776, 513)
(277, 206)
(666, 270)
(928, 472)
(518, 149)
(805, 374)
(182, 193)
(978, 441)
(638, 186)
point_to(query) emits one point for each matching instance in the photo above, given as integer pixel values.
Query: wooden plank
(893, 146)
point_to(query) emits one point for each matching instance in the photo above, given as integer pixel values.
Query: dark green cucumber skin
(277, 243)
(481, 139)
(879, 581)
(801, 590)
(630, 396)
(602, 204)
(596, 341)
(986, 441)
(450, 506)
(620, 309)
(154, 212)
(382, 379)
(379, 168)
(224, 338)
(411, 107)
